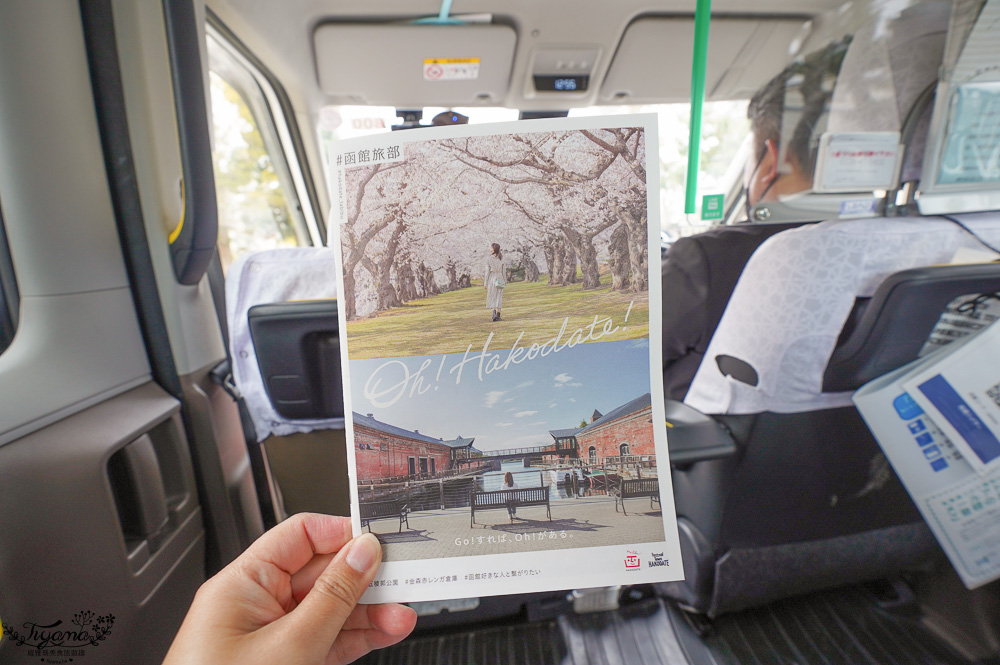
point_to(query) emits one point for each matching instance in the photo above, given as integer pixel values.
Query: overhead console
(743, 53)
(414, 65)
(418, 65)
(561, 72)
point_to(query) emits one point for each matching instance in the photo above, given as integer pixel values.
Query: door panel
(87, 532)
(68, 548)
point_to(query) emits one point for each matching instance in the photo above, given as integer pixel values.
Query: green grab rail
(702, 16)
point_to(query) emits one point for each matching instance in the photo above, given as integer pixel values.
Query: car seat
(282, 315)
(805, 499)
(792, 492)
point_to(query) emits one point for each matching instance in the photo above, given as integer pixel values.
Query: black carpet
(841, 627)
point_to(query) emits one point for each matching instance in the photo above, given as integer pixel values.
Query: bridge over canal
(562, 450)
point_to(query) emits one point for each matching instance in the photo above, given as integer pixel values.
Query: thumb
(322, 613)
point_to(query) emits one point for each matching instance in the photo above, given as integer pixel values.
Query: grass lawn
(449, 322)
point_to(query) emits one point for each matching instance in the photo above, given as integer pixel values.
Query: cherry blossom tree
(425, 224)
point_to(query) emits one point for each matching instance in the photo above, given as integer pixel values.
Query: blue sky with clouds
(510, 407)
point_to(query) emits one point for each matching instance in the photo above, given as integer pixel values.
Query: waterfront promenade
(589, 521)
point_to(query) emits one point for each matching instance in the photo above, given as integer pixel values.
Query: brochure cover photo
(497, 298)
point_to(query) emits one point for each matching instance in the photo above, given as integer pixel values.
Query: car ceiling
(296, 39)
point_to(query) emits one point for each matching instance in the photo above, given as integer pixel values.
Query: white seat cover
(796, 292)
(273, 276)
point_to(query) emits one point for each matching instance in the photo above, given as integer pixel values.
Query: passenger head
(495, 250)
(508, 478)
(787, 117)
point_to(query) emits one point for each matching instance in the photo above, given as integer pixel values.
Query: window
(623, 450)
(433, 467)
(258, 190)
(423, 466)
(592, 453)
(412, 464)
(724, 148)
(9, 297)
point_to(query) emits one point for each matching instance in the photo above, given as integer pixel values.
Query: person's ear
(768, 171)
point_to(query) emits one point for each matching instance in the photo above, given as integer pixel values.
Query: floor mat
(842, 627)
(532, 644)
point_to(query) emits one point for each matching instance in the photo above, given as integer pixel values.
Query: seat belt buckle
(222, 376)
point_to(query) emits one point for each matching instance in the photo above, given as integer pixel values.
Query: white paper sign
(506, 423)
(857, 161)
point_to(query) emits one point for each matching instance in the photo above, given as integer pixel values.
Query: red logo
(632, 560)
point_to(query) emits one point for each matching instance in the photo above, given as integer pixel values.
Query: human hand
(292, 598)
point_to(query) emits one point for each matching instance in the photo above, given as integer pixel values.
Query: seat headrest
(267, 277)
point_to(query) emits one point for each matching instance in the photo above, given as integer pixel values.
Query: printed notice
(961, 393)
(497, 302)
(858, 161)
(451, 69)
(972, 150)
(969, 516)
(960, 505)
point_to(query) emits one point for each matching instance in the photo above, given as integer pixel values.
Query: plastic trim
(285, 124)
(192, 244)
(9, 296)
(109, 106)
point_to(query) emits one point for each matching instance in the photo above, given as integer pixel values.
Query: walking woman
(495, 281)
(508, 484)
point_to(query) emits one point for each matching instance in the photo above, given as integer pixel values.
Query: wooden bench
(515, 498)
(635, 488)
(385, 510)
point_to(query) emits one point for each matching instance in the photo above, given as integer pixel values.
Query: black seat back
(899, 318)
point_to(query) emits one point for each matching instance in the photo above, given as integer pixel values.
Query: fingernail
(363, 553)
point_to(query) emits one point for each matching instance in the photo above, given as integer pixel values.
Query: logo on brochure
(658, 561)
(632, 561)
(907, 407)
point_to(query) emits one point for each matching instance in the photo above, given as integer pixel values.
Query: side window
(253, 208)
(9, 299)
(259, 204)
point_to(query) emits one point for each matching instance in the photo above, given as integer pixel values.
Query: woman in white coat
(495, 281)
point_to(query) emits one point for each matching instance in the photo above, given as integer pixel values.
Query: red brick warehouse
(386, 451)
(626, 430)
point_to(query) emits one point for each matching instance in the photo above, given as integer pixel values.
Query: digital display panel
(561, 83)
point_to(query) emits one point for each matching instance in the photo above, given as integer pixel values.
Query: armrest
(694, 437)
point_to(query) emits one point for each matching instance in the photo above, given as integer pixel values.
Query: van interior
(146, 146)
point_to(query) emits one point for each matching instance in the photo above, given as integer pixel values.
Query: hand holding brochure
(497, 301)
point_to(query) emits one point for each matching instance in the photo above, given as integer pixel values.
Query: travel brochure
(498, 291)
(938, 421)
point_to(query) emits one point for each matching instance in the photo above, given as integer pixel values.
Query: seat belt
(222, 376)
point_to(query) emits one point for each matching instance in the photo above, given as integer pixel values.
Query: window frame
(10, 298)
(272, 111)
